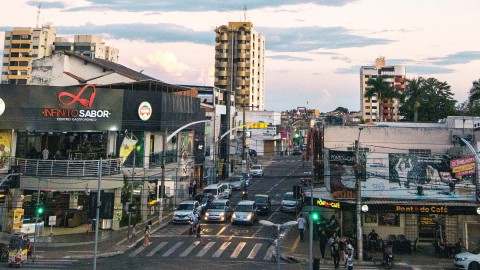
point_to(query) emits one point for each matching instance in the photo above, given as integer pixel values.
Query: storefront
(56, 136)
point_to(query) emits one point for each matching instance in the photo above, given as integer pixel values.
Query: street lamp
(278, 226)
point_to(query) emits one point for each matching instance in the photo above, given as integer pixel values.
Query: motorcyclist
(244, 192)
(388, 250)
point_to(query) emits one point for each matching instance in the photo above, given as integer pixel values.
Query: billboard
(342, 173)
(426, 177)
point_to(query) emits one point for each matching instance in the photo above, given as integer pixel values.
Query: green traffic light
(40, 210)
(315, 216)
(297, 135)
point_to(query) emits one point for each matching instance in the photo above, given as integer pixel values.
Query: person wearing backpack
(349, 260)
(335, 248)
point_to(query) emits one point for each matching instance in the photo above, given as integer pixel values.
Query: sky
(314, 49)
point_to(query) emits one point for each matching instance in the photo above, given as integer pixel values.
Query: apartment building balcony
(242, 46)
(240, 100)
(243, 82)
(221, 73)
(221, 55)
(243, 55)
(221, 46)
(243, 92)
(18, 77)
(221, 37)
(220, 82)
(67, 168)
(21, 50)
(19, 68)
(221, 64)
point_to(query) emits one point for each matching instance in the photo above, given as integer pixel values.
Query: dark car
(204, 199)
(263, 204)
(297, 151)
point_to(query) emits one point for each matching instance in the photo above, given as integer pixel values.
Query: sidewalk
(110, 242)
(292, 247)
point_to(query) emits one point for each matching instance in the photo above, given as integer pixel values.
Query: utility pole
(358, 171)
(162, 182)
(244, 136)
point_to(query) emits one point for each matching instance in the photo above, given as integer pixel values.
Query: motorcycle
(3, 252)
(244, 194)
(388, 261)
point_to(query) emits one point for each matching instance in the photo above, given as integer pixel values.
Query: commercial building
(87, 45)
(374, 110)
(240, 63)
(417, 180)
(22, 45)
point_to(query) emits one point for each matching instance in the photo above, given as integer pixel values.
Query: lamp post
(133, 179)
(244, 138)
(358, 170)
(278, 226)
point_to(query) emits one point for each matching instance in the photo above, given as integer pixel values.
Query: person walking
(349, 261)
(133, 233)
(199, 234)
(336, 253)
(323, 239)
(301, 226)
(146, 239)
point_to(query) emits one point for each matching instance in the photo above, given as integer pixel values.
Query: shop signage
(144, 111)
(421, 209)
(80, 99)
(342, 157)
(327, 204)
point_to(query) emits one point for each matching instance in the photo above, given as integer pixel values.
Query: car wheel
(474, 266)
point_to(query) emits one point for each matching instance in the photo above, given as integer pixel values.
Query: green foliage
(383, 90)
(428, 100)
(341, 110)
(472, 106)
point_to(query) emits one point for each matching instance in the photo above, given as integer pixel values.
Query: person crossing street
(301, 226)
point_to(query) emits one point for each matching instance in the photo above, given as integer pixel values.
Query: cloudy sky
(314, 49)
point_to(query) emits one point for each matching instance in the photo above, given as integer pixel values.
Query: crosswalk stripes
(172, 249)
(50, 264)
(222, 248)
(237, 250)
(156, 249)
(215, 249)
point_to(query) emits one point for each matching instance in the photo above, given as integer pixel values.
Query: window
(23, 63)
(420, 151)
(6, 55)
(22, 81)
(370, 218)
(389, 219)
(25, 46)
(367, 107)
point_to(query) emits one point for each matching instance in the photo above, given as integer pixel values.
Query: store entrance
(428, 225)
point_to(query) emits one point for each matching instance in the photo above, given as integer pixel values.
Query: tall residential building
(23, 45)
(395, 76)
(240, 64)
(87, 45)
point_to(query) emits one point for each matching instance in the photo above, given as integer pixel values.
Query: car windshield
(217, 206)
(256, 167)
(213, 191)
(261, 199)
(243, 208)
(288, 197)
(234, 179)
(185, 206)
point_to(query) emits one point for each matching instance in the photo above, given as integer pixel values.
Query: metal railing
(156, 158)
(67, 168)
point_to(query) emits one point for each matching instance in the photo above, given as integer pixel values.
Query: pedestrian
(29, 245)
(323, 242)
(349, 260)
(335, 249)
(94, 223)
(194, 189)
(199, 234)
(150, 225)
(133, 233)
(146, 238)
(190, 190)
(301, 226)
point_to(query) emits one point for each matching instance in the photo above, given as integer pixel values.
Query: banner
(128, 144)
(342, 173)
(5, 146)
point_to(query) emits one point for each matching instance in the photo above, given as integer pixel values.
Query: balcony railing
(67, 168)
(156, 158)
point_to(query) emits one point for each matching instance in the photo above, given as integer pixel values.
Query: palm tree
(414, 94)
(381, 89)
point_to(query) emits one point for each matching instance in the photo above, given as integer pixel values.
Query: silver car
(185, 211)
(237, 182)
(219, 210)
(290, 203)
(245, 212)
(256, 170)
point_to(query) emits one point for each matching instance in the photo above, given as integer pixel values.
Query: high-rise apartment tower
(370, 107)
(240, 64)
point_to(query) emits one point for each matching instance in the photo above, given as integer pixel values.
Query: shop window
(370, 218)
(389, 219)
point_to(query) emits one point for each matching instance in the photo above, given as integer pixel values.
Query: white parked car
(28, 226)
(290, 203)
(468, 260)
(256, 170)
(185, 211)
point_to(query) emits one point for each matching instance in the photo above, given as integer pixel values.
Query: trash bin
(316, 264)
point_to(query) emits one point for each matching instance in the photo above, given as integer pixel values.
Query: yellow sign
(465, 167)
(18, 218)
(5, 141)
(328, 204)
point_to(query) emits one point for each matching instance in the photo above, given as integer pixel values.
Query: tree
(341, 110)
(412, 97)
(473, 105)
(383, 90)
(433, 101)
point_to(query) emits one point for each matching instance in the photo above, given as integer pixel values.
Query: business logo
(144, 111)
(78, 98)
(2, 106)
(70, 99)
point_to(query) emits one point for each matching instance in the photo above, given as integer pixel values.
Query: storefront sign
(342, 157)
(144, 111)
(68, 99)
(421, 209)
(461, 161)
(463, 168)
(327, 204)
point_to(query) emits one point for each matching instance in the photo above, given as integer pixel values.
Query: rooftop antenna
(244, 13)
(38, 13)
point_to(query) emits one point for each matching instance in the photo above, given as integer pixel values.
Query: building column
(73, 200)
(117, 209)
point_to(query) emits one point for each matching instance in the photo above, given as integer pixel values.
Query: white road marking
(269, 254)
(254, 251)
(172, 249)
(189, 249)
(237, 250)
(140, 249)
(221, 249)
(156, 249)
(205, 249)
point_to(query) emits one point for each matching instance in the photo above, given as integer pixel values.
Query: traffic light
(40, 209)
(297, 192)
(297, 136)
(315, 216)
